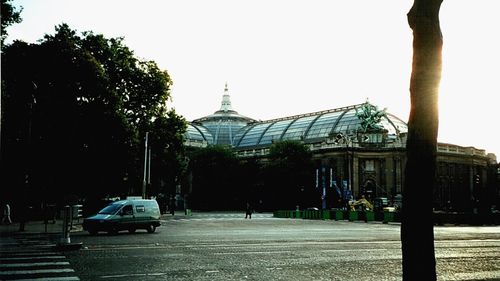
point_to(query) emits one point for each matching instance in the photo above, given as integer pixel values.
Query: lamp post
(347, 140)
(323, 184)
(24, 214)
(146, 166)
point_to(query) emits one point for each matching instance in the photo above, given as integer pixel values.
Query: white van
(130, 214)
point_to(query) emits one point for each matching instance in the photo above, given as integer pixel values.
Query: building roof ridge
(321, 112)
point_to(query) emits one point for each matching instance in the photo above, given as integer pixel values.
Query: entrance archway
(369, 189)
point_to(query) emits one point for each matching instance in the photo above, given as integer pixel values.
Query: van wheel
(131, 230)
(151, 228)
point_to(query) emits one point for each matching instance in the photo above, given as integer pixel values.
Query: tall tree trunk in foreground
(417, 228)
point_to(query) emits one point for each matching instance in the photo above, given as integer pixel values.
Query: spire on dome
(226, 101)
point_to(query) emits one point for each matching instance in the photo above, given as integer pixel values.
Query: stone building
(358, 150)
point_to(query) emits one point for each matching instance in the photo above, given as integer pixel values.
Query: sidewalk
(55, 228)
(38, 227)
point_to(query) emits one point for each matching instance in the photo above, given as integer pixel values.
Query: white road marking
(36, 271)
(63, 278)
(32, 258)
(34, 264)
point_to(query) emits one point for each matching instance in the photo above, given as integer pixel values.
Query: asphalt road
(225, 246)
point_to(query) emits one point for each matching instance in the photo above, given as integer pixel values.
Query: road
(225, 246)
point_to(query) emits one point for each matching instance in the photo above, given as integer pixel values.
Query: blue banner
(337, 189)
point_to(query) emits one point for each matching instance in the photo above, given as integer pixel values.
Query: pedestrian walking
(6, 214)
(248, 214)
(172, 205)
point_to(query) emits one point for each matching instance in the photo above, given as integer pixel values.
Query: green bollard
(339, 215)
(388, 217)
(353, 215)
(326, 214)
(370, 216)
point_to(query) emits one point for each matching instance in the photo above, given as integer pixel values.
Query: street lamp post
(323, 183)
(146, 166)
(348, 141)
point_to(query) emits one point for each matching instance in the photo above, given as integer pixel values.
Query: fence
(339, 214)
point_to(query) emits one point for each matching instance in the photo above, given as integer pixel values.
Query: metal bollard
(65, 242)
(65, 239)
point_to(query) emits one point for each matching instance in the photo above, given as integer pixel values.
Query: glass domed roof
(222, 126)
(313, 127)
(196, 133)
(228, 127)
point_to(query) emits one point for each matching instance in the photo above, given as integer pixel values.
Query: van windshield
(110, 209)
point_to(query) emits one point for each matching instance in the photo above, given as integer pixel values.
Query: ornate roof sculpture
(370, 117)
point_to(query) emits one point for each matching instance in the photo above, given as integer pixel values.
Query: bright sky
(288, 57)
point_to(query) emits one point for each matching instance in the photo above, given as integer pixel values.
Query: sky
(288, 57)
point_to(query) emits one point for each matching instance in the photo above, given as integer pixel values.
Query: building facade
(358, 150)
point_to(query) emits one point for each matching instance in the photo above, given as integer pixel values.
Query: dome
(198, 135)
(223, 125)
(228, 127)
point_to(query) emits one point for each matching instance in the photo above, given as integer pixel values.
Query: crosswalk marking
(69, 278)
(56, 263)
(32, 258)
(37, 271)
(26, 253)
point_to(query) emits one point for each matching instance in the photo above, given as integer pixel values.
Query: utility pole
(146, 167)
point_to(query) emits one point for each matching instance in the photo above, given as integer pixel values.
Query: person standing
(172, 205)
(248, 214)
(6, 214)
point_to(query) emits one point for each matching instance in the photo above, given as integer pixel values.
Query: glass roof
(198, 133)
(250, 136)
(274, 131)
(323, 125)
(223, 130)
(298, 127)
(311, 127)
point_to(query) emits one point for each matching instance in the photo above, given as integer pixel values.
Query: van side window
(140, 209)
(127, 210)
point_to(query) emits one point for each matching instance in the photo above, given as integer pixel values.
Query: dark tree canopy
(216, 185)
(10, 15)
(288, 175)
(75, 109)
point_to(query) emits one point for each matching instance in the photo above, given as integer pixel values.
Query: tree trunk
(417, 227)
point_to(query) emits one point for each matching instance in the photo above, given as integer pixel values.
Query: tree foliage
(10, 15)
(168, 153)
(75, 110)
(288, 175)
(216, 184)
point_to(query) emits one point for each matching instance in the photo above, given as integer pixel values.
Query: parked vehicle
(130, 214)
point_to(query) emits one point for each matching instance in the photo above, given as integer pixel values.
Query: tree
(169, 163)
(10, 15)
(289, 175)
(251, 187)
(215, 182)
(75, 111)
(417, 234)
